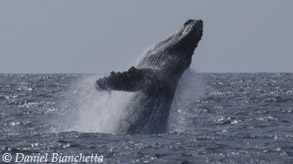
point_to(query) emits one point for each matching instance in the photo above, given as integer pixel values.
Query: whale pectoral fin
(131, 80)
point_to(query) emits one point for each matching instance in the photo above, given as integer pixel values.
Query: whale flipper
(132, 80)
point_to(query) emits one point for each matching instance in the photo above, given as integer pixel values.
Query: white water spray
(95, 111)
(190, 88)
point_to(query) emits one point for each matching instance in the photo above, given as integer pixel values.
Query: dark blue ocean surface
(215, 118)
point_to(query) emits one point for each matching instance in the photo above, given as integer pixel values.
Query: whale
(154, 80)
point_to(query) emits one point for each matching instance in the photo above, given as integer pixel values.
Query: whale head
(175, 52)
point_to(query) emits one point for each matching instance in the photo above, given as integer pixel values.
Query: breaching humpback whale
(154, 81)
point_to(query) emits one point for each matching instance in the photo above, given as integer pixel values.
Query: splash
(93, 111)
(190, 88)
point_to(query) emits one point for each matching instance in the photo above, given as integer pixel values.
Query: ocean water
(215, 118)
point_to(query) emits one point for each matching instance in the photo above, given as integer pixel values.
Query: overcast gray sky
(74, 36)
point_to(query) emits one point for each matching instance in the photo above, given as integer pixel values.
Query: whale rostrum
(154, 81)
